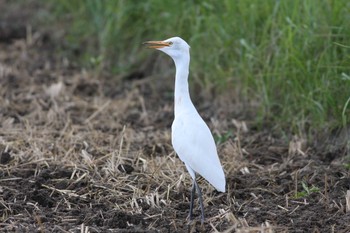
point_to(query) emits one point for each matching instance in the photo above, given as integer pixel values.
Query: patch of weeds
(346, 162)
(219, 139)
(307, 190)
(347, 166)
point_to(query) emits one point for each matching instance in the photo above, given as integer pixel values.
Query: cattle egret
(191, 137)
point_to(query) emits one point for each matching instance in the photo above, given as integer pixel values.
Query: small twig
(153, 216)
(213, 227)
(92, 116)
(294, 210)
(70, 193)
(325, 190)
(281, 207)
(296, 182)
(347, 200)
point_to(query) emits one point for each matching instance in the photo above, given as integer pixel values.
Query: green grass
(291, 56)
(306, 190)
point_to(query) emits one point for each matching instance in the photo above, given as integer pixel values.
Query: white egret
(191, 137)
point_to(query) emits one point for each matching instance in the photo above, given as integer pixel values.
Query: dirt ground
(82, 151)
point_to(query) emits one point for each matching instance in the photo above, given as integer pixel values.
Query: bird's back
(195, 145)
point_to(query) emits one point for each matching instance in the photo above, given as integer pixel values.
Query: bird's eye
(170, 43)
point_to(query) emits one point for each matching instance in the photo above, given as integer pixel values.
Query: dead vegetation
(84, 152)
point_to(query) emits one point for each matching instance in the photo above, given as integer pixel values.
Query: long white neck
(182, 99)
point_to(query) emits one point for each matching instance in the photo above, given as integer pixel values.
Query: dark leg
(200, 200)
(192, 199)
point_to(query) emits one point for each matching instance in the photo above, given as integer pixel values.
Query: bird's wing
(194, 144)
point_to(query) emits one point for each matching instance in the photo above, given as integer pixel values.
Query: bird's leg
(192, 198)
(200, 200)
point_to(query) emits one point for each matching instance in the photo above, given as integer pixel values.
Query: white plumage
(191, 137)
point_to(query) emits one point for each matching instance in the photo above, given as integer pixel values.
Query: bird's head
(175, 47)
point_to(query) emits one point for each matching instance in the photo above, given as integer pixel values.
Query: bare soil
(85, 151)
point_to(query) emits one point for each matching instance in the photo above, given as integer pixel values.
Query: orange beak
(156, 44)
